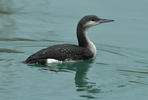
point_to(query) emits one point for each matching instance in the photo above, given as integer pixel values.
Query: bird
(84, 50)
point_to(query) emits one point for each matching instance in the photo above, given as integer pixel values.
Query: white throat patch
(91, 23)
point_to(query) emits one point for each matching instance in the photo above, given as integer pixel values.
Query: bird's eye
(92, 20)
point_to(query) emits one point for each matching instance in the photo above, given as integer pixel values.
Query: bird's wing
(60, 52)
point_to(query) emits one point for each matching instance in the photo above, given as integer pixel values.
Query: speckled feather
(62, 52)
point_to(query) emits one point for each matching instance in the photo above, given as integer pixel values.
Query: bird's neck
(82, 37)
(83, 40)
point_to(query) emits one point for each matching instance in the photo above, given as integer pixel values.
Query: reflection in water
(82, 82)
(86, 88)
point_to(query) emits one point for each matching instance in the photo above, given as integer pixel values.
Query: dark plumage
(64, 52)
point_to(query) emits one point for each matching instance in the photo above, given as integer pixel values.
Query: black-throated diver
(65, 52)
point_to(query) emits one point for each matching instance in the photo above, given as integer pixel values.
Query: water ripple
(25, 39)
(137, 82)
(5, 50)
(122, 70)
(6, 12)
(113, 52)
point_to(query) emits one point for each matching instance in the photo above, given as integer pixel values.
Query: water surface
(119, 71)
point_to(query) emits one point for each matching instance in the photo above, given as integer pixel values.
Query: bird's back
(60, 52)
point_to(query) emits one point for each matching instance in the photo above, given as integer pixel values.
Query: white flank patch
(57, 61)
(53, 61)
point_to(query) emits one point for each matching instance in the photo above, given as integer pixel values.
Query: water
(119, 71)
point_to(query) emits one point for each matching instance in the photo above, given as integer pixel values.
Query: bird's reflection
(83, 85)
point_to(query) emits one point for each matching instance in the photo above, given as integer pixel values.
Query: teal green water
(119, 71)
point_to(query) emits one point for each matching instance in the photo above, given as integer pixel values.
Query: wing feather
(60, 52)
